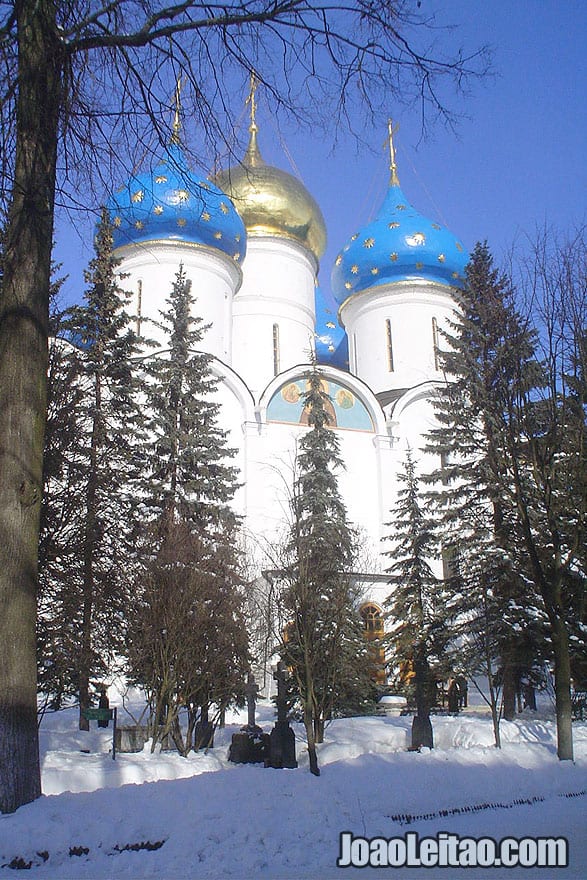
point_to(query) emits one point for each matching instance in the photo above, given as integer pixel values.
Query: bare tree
(80, 80)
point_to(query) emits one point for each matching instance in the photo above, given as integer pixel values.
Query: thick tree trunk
(562, 690)
(23, 379)
(509, 684)
(23, 382)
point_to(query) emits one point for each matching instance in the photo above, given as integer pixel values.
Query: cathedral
(250, 240)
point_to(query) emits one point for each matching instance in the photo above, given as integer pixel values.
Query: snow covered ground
(164, 816)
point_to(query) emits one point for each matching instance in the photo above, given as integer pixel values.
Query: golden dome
(272, 202)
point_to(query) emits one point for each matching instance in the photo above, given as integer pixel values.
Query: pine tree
(187, 635)
(417, 606)
(323, 646)
(86, 593)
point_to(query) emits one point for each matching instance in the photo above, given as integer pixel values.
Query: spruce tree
(494, 440)
(323, 646)
(417, 606)
(87, 589)
(187, 638)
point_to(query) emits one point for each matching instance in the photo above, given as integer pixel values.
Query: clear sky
(516, 161)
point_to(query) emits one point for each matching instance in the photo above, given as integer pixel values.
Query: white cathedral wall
(273, 312)
(392, 334)
(148, 271)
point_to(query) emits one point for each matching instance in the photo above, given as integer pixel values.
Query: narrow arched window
(435, 343)
(389, 344)
(275, 349)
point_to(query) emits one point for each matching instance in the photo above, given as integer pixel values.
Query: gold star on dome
(157, 209)
(330, 325)
(455, 274)
(223, 208)
(182, 195)
(401, 207)
(237, 237)
(205, 216)
(236, 256)
(137, 196)
(441, 258)
(338, 260)
(139, 224)
(355, 236)
(393, 257)
(205, 185)
(369, 242)
(374, 271)
(394, 225)
(355, 269)
(160, 178)
(218, 235)
(348, 285)
(419, 265)
(181, 221)
(117, 221)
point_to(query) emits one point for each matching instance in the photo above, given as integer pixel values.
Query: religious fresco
(344, 408)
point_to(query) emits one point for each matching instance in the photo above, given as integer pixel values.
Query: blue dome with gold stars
(399, 245)
(170, 203)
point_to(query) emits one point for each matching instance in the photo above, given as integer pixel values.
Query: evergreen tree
(496, 435)
(324, 645)
(63, 467)
(86, 589)
(417, 606)
(187, 636)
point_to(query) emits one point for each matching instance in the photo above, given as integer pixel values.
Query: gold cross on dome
(176, 119)
(252, 100)
(392, 129)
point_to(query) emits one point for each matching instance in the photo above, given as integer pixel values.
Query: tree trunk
(562, 690)
(24, 315)
(309, 725)
(89, 591)
(509, 685)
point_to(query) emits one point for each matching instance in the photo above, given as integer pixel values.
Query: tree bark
(24, 319)
(309, 725)
(562, 690)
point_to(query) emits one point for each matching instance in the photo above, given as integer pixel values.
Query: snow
(202, 817)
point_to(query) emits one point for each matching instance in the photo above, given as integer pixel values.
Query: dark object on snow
(204, 733)
(251, 745)
(421, 733)
(103, 703)
(453, 697)
(248, 748)
(282, 741)
(462, 690)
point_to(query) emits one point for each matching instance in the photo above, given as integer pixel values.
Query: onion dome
(273, 202)
(398, 245)
(170, 203)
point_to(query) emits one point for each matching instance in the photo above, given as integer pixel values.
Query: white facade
(394, 283)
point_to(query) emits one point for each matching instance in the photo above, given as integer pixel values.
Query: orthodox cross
(392, 129)
(252, 100)
(176, 119)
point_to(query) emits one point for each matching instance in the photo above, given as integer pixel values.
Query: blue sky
(516, 161)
